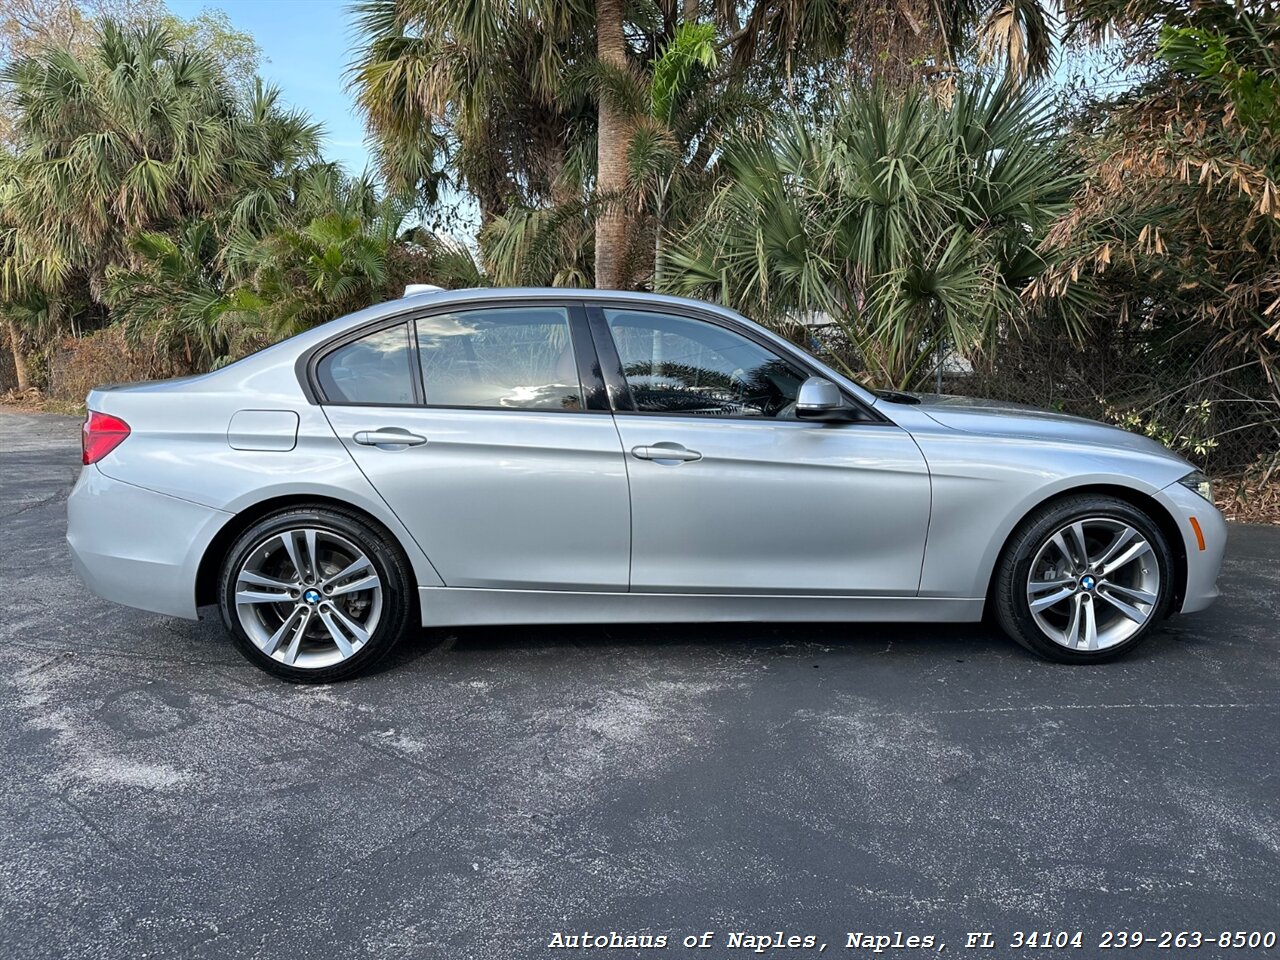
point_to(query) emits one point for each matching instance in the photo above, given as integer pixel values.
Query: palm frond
(905, 222)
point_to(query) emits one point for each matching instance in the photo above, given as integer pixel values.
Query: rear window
(373, 369)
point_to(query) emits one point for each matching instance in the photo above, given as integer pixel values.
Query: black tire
(1009, 587)
(398, 607)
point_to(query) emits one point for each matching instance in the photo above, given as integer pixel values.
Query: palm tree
(174, 297)
(531, 246)
(473, 95)
(906, 222)
(335, 264)
(142, 135)
(805, 47)
(673, 113)
(214, 298)
(485, 95)
(612, 137)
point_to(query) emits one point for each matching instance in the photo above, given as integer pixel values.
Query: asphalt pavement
(488, 790)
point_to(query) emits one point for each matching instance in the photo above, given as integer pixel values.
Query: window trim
(315, 357)
(620, 390)
(591, 381)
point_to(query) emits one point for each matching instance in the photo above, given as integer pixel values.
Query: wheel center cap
(1087, 582)
(311, 596)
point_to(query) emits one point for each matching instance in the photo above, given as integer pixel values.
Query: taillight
(102, 434)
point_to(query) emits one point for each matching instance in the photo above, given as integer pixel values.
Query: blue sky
(305, 48)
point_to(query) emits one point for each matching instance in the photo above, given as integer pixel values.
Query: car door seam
(631, 531)
(378, 493)
(928, 526)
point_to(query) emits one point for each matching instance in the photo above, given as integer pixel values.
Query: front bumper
(1203, 561)
(137, 547)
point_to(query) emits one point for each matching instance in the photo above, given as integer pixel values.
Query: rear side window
(373, 369)
(512, 357)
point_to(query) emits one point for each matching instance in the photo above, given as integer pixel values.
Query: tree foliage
(898, 174)
(153, 186)
(141, 133)
(1176, 231)
(29, 26)
(905, 222)
(488, 96)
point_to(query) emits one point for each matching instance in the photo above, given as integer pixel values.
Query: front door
(501, 463)
(731, 493)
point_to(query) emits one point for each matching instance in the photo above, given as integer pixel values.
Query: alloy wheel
(308, 598)
(1093, 584)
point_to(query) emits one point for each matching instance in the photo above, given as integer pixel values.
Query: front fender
(984, 487)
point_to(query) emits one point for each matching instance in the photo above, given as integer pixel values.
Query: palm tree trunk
(611, 156)
(19, 358)
(690, 11)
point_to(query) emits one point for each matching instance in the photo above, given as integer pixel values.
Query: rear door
(730, 493)
(486, 429)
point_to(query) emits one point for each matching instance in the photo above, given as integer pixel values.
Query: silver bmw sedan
(556, 456)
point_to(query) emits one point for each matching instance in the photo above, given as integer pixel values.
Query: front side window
(513, 357)
(374, 369)
(680, 365)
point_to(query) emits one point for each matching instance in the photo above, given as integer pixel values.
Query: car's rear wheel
(1084, 579)
(315, 594)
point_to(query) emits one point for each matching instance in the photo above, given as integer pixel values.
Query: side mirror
(820, 399)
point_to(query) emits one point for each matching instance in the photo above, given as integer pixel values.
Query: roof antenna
(412, 288)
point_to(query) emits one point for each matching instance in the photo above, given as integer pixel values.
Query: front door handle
(666, 452)
(389, 437)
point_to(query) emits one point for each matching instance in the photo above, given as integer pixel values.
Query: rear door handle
(671, 452)
(389, 437)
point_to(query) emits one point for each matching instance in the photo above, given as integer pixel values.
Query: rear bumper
(1202, 564)
(136, 547)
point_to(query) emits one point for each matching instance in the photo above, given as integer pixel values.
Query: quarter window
(679, 365)
(504, 357)
(374, 369)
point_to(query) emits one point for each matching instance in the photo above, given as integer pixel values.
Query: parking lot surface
(490, 788)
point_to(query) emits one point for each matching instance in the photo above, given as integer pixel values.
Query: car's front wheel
(315, 594)
(1084, 579)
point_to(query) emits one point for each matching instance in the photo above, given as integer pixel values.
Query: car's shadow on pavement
(956, 642)
(923, 644)
(941, 642)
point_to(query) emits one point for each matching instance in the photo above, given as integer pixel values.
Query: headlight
(1197, 481)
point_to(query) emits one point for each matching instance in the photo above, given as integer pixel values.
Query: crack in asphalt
(59, 497)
